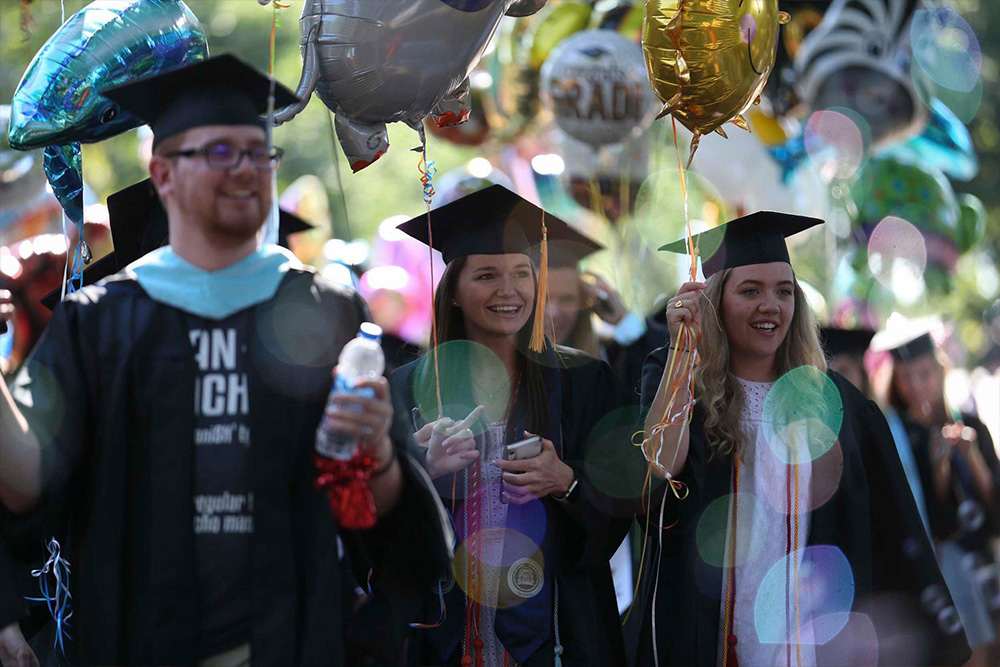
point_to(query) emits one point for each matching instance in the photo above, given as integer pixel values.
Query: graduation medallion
(525, 578)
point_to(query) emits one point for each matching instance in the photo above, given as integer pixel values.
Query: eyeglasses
(224, 156)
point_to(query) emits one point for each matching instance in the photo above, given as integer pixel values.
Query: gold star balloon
(708, 60)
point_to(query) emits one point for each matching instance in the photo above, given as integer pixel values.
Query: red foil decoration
(346, 486)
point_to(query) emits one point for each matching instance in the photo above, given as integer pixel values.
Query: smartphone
(525, 449)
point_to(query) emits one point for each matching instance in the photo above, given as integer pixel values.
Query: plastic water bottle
(361, 359)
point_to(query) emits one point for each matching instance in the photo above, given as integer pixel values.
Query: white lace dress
(770, 623)
(493, 520)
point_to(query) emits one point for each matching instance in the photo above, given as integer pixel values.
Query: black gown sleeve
(989, 453)
(11, 604)
(902, 558)
(609, 470)
(55, 390)
(418, 521)
(401, 557)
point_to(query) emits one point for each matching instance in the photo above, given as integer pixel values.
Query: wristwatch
(564, 498)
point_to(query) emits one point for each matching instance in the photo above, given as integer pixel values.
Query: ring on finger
(679, 304)
(368, 431)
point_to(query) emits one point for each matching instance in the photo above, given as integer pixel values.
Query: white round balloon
(749, 179)
(594, 82)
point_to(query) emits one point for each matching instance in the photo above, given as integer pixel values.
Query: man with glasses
(163, 429)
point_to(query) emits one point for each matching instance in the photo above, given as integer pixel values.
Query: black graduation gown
(11, 603)
(627, 360)
(943, 516)
(110, 389)
(588, 528)
(871, 517)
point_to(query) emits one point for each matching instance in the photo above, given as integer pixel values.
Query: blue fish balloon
(57, 104)
(945, 144)
(63, 166)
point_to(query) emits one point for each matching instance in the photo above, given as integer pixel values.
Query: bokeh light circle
(712, 532)
(897, 252)
(856, 645)
(802, 415)
(823, 474)
(834, 143)
(616, 467)
(946, 48)
(517, 549)
(471, 375)
(823, 594)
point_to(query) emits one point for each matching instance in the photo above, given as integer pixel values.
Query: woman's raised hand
(684, 309)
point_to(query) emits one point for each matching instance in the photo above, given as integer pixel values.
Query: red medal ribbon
(346, 486)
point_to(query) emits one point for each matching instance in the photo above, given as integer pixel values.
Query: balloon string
(336, 174)
(275, 24)
(274, 29)
(689, 238)
(427, 172)
(76, 280)
(678, 376)
(647, 500)
(271, 233)
(56, 569)
(62, 296)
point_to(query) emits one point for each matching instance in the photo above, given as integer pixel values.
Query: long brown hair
(718, 390)
(532, 395)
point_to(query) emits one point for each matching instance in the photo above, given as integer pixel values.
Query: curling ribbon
(427, 172)
(55, 572)
(346, 486)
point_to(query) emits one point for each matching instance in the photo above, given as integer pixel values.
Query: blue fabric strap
(171, 280)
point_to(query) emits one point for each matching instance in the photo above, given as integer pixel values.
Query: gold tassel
(537, 343)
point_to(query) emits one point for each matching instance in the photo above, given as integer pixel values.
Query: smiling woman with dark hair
(791, 537)
(532, 584)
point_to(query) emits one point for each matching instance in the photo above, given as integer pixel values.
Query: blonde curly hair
(718, 390)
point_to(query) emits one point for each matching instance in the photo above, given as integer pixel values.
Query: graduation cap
(758, 238)
(846, 341)
(907, 339)
(139, 226)
(223, 90)
(491, 221)
(497, 221)
(570, 248)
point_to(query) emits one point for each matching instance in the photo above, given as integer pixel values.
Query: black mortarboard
(496, 221)
(907, 339)
(491, 221)
(139, 226)
(846, 341)
(222, 90)
(758, 238)
(918, 347)
(570, 248)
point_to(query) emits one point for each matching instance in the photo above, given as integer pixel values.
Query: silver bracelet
(565, 497)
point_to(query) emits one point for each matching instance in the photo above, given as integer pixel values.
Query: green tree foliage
(243, 27)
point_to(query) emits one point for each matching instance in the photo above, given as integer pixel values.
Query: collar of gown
(171, 280)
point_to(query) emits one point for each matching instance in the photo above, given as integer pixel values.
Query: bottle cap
(371, 331)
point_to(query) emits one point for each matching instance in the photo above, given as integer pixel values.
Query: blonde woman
(788, 535)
